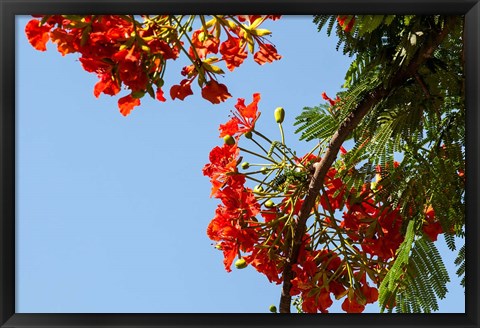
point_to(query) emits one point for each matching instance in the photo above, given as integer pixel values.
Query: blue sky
(112, 211)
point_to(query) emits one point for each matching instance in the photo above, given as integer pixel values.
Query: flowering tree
(355, 225)
(123, 51)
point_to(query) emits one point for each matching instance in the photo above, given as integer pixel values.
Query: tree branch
(352, 121)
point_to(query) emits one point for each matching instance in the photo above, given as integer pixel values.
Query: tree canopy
(358, 225)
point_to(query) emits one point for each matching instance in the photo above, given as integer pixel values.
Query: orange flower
(215, 92)
(244, 119)
(181, 91)
(342, 21)
(127, 103)
(130, 68)
(222, 166)
(352, 306)
(208, 44)
(233, 52)
(38, 35)
(266, 54)
(106, 85)
(65, 41)
(159, 95)
(431, 227)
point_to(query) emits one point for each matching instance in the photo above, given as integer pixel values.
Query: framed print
(209, 163)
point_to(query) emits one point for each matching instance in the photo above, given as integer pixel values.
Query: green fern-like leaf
(391, 282)
(424, 280)
(460, 262)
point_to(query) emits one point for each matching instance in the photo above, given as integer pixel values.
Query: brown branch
(423, 85)
(352, 121)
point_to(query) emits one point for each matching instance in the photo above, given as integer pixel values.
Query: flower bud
(279, 114)
(273, 308)
(248, 134)
(269, 204)
(245, 165)
(241, 263)
(229, 140)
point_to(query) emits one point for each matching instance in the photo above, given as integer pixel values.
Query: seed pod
(279, 114)
(229, 140)
(241, 263)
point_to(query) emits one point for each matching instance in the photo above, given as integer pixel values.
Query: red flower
(352, 306)
(266, 54)
(215, 92)
(324, 301)
(222, 167)
(370, 293)
(106, 85)
(387, 237)
(330, 100)
(244, 120)
(181, 91)
(159, 95)
(239, 202)
(167, 51)
(218, 225)
(342, 21)
(38, 35)
(431, 227)
(127, 103)
(65, 41)
(230, 128)
(130, 69)
(208, 44)
(233, 52)
(334, 193)
(232, 224)
(93, 65)
(262, 260)
(252, 18)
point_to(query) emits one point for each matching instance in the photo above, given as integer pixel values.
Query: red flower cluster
(261, 236)
(114, 48)
(232, 227)
(123, 51)
(376, 229)
(321, 274)
(312, 273)
(235, 227)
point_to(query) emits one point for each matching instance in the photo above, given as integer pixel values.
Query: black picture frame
(10, 8)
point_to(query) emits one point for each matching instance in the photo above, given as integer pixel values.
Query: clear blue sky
(112, 211)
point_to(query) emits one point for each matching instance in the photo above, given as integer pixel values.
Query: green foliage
(460, 262)
(417, 278)
(297, 303)
(426, 280)
(317, 123)
(391, 282)
(421, 124)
